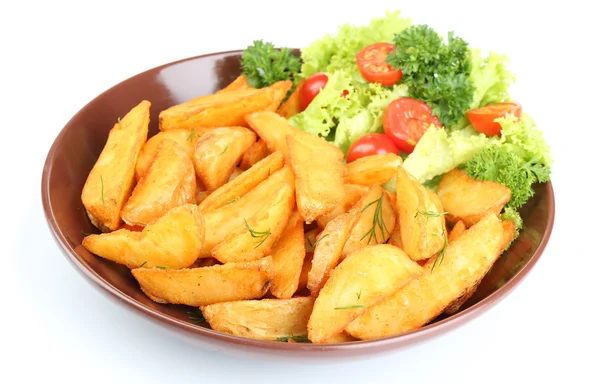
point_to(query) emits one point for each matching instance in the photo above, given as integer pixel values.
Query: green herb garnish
(429, 213)
(226, 148)
(264, 65)
(262, 236)
(102, 186)
(144, 263)
(351, 307)
(318, 240)
(232, 200)
(84, 234)
(161, 267)
(358, 294)
(440, 255)
(296, 338)
(196, 316)
(377, 222)
(191, 135)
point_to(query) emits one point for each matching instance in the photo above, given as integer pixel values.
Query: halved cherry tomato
(371, 144)
(311, 88)
(405, 122)
(483, 118)
(372, 65)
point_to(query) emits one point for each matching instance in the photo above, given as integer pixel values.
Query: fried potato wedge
(422, 224)
(292, 105)
(456, 231)
(255, 153)
(261, 230)
(169, 182)
(272, 129)
(319, 186)
(223, 109)
(242, 184)
(207, 285)
(352, 194)
(328, 249)
(396, 236)
(343, 337)
(185, 137)
(374, 169)
(468, 199)
(240, 82)
(173, 241)
(288, 258)
(464, 263)
(310, 239)
(508, 230)
(306, 265)
(230, 217)
(218, 152)
(376, 222)
(267, 319)
(361, 280)
(111, 180)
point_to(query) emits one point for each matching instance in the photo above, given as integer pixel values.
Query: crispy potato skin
(256, 239)
(362, 280)
(465, 262)
(112, 178)
(243, 184)
(288, 258)
(352, 194)
(292, 105)
(319, 185)
(255, 153)
(224, 109)
(266, 319)
(374, 169)
(468, 199)
(456, 231)
(218, 152)
(328, 250)
(173, 240)
(272, 129)
(169, 182)
(376, 222)
(207, 285)
(422, 224)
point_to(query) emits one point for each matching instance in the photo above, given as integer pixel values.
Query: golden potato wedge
(169, 182)
(112, 177)
(456, 231)
(173, 241)
(328, 249)
(319, 186)
(185, 137)
(468, 199)
(244, 183)
(422, 224)
(236, 172)
(223, 109)
(261, 230)
(255, 153)
(464, 262)
(508, 231)
(310, 239)
(306, 265)
(376, 222)
(218, 152)
(207, 285)
(292, 105)
(363, 279)
(267, 319)
(288, 258)
(352, 194)
(343, 337)
(272, 129)
(374, 169)
(240, 82)
(396, 236)
(230, 217)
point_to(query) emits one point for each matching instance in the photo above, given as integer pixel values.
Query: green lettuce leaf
(491, 78)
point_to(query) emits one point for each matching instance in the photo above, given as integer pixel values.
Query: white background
(57, 56)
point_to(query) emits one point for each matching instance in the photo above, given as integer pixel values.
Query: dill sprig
(232, 200)
(144, 263)
(440, 255)
(261, 235)
(226, 148)
(191, 135)
(429, 213)
(162, 267)
(318, 240)
(351, 307)
(196, 316)
(102, 186)
(377, 221)
(296, 338)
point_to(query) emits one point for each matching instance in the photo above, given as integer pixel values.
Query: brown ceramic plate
(78, 145)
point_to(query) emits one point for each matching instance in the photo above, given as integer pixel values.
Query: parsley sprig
(264, 65)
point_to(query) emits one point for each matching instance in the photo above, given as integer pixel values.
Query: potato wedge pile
(272, 236)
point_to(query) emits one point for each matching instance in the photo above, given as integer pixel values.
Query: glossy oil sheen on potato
(267, 319)
(362, 280)
(207, 285)
(465, 262)
(169, 182)
(374, 169)
(112, 178)
(288, 258)
(174, 241)
(218, 152)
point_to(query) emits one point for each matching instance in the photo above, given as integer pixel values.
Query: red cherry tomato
(371, 64)
(483, 118)
(371, 144)
(405, 122)
(311, 88)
